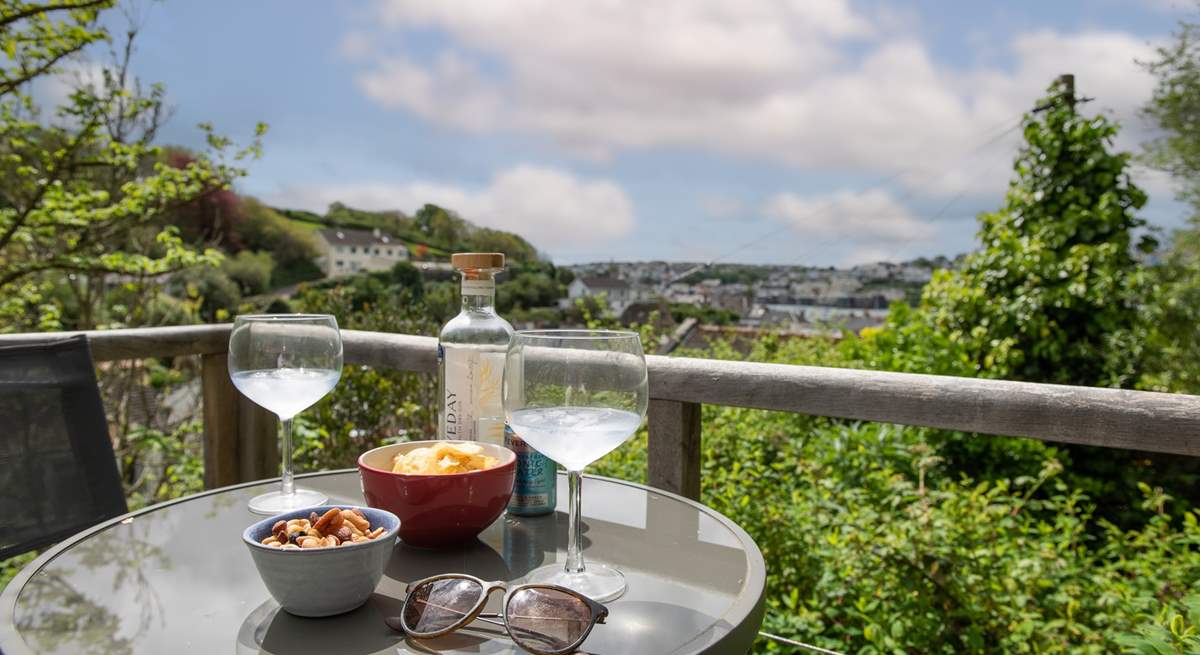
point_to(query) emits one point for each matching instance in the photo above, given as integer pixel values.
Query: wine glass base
(599, 582)
(277, 503)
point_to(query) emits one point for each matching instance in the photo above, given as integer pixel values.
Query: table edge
(11, 642)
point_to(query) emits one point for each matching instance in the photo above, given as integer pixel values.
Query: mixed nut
(334, 528)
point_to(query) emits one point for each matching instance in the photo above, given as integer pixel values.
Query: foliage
(215, 295)
(1173, 632)
(177, 469)
(707, 314)
(82, 193)
(1173, 108)
(1052, 294)
(1172, 342)
(36, 36)
(265, 229)
(528, 285)
(370, 406)
(9, 568)
(432, 231)
(875, 545)
(252, 271)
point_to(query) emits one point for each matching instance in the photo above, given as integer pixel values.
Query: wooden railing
(240, 439)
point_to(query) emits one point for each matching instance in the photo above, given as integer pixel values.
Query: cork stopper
(469, 260)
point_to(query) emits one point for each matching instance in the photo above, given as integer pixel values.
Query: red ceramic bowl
(436, 510)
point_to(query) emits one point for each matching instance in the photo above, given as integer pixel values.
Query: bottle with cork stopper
(471, 350)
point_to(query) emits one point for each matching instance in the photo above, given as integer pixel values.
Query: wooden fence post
(673, 461)
(220, 422)
(241, 440)
(258, 442)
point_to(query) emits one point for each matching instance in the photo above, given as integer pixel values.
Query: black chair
(58, 474)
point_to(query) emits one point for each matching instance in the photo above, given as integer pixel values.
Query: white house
(618, 291)
(345, 251)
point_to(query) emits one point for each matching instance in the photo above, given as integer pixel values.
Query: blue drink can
(535, 486)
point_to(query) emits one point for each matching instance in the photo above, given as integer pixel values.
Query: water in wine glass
(574, 436)
(286, 391)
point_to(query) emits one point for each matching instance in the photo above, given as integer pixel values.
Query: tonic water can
(535, 486)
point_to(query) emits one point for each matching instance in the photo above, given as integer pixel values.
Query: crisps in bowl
(443, 459)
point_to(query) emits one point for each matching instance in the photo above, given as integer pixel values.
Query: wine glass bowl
(575, 396)
(285, 363)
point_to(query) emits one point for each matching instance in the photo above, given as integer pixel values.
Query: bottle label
(534, 488)
(472, 408)
(478, 287)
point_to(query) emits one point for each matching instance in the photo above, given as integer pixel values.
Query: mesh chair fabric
(58, 474)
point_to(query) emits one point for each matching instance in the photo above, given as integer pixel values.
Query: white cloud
(452, 92)
(812, 84)
(873, 216)
(551, 208)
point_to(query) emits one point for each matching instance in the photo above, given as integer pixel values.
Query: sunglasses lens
(439, 604)
(546, 619)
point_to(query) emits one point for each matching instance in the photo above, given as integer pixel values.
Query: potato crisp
(443, 459)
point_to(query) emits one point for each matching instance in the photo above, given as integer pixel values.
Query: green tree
(1052, 295)
(406, 275)
(515, 248)
(82, 196)
(1173, 348)
(1172, 361)
(1173, 109)
(250, 270)
(1055, 294)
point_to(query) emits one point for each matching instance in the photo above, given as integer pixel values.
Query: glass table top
(177, 578)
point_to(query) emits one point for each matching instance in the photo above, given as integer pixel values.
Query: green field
(305, 225)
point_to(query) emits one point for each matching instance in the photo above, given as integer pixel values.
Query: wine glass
(285, 363)
(575, 395)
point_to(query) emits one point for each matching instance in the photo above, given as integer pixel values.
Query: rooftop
(604, 283)
(347, 237)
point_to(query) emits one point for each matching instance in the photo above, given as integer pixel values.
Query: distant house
(618, 291)
(345, 251)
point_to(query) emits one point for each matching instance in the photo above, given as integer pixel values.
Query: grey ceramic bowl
(322, 581)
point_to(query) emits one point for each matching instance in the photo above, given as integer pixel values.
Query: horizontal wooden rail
(1115, 418)
(1138, 420)
(138, 343)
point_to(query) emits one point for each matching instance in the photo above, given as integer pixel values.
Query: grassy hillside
(432, 231)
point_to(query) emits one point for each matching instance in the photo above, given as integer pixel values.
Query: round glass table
(176, 577)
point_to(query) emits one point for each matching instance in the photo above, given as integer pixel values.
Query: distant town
(788, 300)
(791, 299)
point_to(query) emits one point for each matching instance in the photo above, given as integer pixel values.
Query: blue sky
(821, 132)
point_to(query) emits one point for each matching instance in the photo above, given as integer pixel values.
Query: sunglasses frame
(599, 611)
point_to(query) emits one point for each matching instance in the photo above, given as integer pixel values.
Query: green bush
(252, 271)
(873, 547)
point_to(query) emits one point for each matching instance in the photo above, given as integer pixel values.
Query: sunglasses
(542, 619)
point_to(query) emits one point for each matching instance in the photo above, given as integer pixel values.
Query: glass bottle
(471, 350)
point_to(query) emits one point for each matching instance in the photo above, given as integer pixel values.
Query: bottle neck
(479, 303)
(478, 292)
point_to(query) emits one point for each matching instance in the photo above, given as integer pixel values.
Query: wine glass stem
(287, 483)
(575, 528)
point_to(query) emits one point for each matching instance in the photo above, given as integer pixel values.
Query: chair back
(58, 474)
